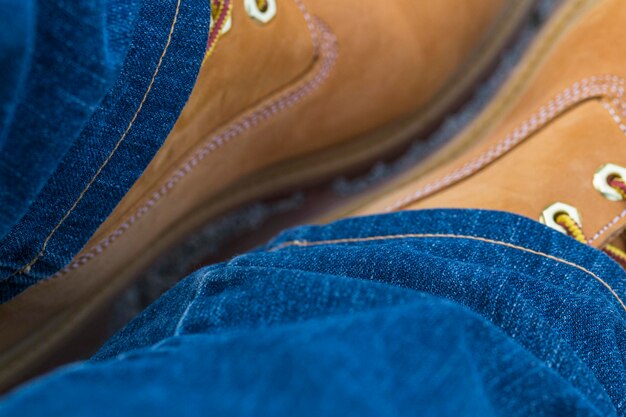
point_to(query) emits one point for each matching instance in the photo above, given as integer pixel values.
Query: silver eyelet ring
(601, 181)
(263, 16)
(548, 217)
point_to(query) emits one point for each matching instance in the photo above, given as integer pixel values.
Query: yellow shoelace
(221, 11)
(575, 231)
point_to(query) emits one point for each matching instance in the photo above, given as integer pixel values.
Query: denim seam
(328, 52)
(304, 244)
(29, 265)
(202, 283)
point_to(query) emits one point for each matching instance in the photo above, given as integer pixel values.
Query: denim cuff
(115, 145)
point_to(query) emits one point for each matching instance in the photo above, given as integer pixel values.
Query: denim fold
(105, 155)
(434, 312)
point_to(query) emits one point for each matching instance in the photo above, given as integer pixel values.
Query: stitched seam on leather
(613, 102)
(311, 24)
(304, 244)
(608, 86)
(526, 72)
(608, 226)
(610, 106)
(113, 151)
(533, 60)
(328, 52)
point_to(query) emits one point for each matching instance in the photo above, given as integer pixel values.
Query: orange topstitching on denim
(304, 244)
(29, 265)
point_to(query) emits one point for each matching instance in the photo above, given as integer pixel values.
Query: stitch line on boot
(328, 53)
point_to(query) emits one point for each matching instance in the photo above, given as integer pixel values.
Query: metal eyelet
(263, 16)
(548, 217)
(601, 181)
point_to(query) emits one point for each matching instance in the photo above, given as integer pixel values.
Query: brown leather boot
(295, 91)
(552, 145)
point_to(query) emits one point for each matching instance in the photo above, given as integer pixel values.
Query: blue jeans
(89, 91)
(430, 313)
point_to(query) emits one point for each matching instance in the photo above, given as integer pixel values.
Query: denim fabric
(67, 56)
(430, 313)
(17, 29)
(105, 153)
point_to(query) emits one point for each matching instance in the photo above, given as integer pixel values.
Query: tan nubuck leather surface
(357, 65)
(568, 121)
(321, 74)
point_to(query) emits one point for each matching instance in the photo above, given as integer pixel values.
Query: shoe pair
(296, 92)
